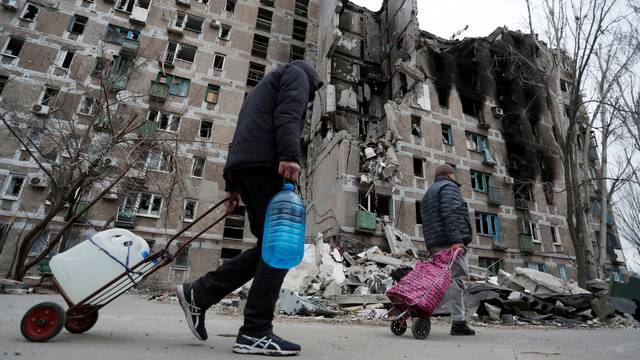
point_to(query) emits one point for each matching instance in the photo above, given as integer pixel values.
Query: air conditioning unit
(40, 110)
(38, 181)
(498, 112)
(186, 3)
(110, 195)
(215, 23)
(10, 4)
(508, 180)
(109, 161)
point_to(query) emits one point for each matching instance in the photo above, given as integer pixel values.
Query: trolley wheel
(399, 327)
(81, 319)
(42, 322)
(421, 328)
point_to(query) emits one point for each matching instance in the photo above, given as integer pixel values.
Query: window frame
(224, 27)
(64, 59)
(24, 11)
(297, 35)
(122, 32)
(264, 20)
(224, 59)
(420, 170)
(51, 100)
(183, 254)
(169, 80)
(148, 213)
(195, 210)
(92, 108)
(479, 142)
(194, 162)
(164, 161)
(170, 122)
(480, 178)
(492, 225)
(211, 88)
(239, 216)
(555, 235)
(210, 129)
(74, 20)
(7, 183)
(6, 46)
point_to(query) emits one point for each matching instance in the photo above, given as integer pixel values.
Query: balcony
(118, 82)
(147, 129)
(129, 48)
(158, 91)
(126, 218)
(488, 158)
(366, 221)
(526, 243)
(482, 121)
(495, 196)
(522, 204)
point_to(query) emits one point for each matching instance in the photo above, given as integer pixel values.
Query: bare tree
(627, 211)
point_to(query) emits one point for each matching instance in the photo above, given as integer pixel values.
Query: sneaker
(193, 313)
(461, 328)
(265, 345)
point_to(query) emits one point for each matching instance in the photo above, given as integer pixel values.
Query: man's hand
(290, 170)
(459, 246)
(233, 202)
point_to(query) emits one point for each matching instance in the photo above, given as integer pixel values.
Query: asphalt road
(134, 328)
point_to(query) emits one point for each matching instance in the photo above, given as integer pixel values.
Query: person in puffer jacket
(446, 225)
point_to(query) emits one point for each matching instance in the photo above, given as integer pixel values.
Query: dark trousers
(256, 188)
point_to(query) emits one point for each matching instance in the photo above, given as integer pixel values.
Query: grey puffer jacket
(445, 217)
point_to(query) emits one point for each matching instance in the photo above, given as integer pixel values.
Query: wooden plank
(360, 299)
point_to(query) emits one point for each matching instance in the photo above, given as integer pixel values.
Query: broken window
(180, 51)
(447, 134)
(87, 105)
(492, 265)
(193, 23)
(115, 34)
(49, 97)
(206, 127)
(480, 181)
(418, 167)
(477, 142)
(13, 47)
(149, 204)
(225, 32)
(182, 257)
(470, 106)
(564, 85)
(77, 24)
(302, 7)
(160, 160)
(13, 186)
(164, 121)
(542, 267)
(522, 191)
(299, 30)
(218, 62)
(563, 270)
(260, 46)
(3, 82)
(256, 73)
(267, 2)
(66, 59)
(234, 224)
(531, 228)
(230, 5)
(197, 167)
(213, 93)
(418, 213)
(416, 125)
(127, 5)
(296, 53)
(99, 66)
(41, 243)
(487, 224)
(443, 95)
(189, 210)
(377, 203)
(177, 85)
(30, 12)
(263, 22)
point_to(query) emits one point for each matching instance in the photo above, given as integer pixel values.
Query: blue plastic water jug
(283, 237)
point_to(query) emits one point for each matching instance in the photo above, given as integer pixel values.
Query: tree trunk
(604, 195)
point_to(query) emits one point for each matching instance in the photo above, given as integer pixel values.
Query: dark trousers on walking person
(256, 188)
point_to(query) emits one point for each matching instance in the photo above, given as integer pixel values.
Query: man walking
(446, 224)
(264, 151)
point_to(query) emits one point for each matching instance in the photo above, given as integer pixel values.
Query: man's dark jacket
(271, 120)
(445, 217)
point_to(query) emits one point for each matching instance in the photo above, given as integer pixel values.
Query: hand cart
(45, 320)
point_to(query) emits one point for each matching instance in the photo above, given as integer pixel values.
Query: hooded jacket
(445, 217)
(271, 119)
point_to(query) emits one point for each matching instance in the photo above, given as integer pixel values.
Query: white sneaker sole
(247, 349)
(186, 310)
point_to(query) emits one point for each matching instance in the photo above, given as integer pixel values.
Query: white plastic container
(85, 268)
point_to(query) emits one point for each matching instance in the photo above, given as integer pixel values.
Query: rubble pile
(379, 162)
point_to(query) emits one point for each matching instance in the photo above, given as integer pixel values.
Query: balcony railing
(526, 243)
(522, 204)
(488, 158)
(126, 218)
(147, 129)
(366, 221)
(129, 48)
(158, 91)
(495, 195)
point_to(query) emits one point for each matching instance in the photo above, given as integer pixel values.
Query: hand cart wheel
(81, 319)
(399, 327)
(42, 322)
(421, 328)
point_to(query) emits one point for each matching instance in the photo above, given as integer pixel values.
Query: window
(35, 135)
(99, 66)
(49, 97)
(127, 5)
(299, 30)
(260, 46)
(194, 23)
(30, 12)
(480, 181)
(41, 243)
(447, 134)
(230, 5)
(477, 142)
(487, 224)
(3, 82)
(66, 59)
(377, 203)
(203, 1)
(563, 271)
(206, 128)
(197, 167)
(593, 177)
(542, 267)
(296, 53)
(418, 167)
(263, 22)
(234, 224)
(164, 121)
(87, 105)
(267, 2)
(218, 62)
(180, 51)
(555, 235)
(13, 186)
(177, 86)
(418, 213)
(564, 85)
(13, 47)
(416, 125)
(115, 34)
(225, 32)
(182, 257)
(213, 93)
(256, 73)
(189, 210)
(492, 265)
(470, 106)
(302, 7)
(77, 24)
(149, 204)
(531, 228)
(159, 160)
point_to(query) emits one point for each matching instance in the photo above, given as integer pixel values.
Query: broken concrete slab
(399, 242)
(360, 299)
(540, 283)
(291, 303)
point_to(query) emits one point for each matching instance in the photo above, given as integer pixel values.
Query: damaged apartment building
(400, 102)
(188, 64)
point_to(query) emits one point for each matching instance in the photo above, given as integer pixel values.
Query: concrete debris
(379, 161)
(293, 304)
(399, 242)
